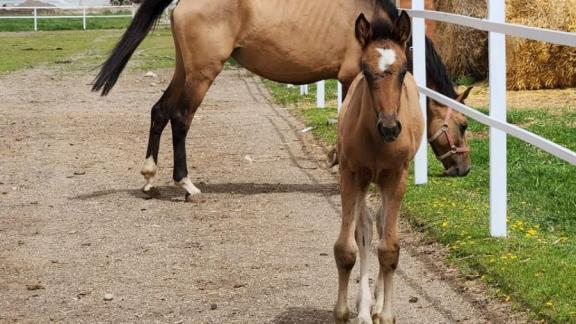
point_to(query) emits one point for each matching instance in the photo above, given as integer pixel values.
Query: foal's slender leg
(392, 186)
(364, 241)
(345, 248)
(379, 287)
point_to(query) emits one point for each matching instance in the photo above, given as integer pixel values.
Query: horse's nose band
(453, 148)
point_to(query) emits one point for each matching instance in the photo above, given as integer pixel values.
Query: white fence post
(303, 89)
(35, 19)
(340, 99)
(497, 79)
(320, 94)
(419, 56)
(84, 18)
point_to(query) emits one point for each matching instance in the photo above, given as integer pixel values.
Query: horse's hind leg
(392, 186)
(160, 115)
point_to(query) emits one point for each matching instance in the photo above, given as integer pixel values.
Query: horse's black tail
(146, 16)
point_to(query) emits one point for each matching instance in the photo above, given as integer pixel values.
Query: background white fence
(83, 13)
(499, 128)
(497, 118)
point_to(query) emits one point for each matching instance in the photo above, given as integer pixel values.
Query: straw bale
(539, 65)
(464, 50)
(531, 64)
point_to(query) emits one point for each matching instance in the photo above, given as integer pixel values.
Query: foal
(379, 131)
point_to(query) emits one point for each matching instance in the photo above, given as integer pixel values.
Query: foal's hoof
(377, 320)
(341, 316)
(359, 320)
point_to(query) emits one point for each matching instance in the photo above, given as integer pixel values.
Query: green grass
(16, 25)
(535, 266)
(81, 50)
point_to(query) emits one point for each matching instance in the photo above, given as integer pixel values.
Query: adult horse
(379, 131)
(291, 41)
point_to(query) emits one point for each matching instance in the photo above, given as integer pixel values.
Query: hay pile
(464, 50)
(531, 64)
(538, 65)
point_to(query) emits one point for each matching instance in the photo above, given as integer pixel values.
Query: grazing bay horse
(379, 131)
(290, 41)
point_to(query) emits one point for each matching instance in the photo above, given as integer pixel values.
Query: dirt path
(257, 247)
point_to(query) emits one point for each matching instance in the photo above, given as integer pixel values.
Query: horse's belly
(295, 41)
(296, 68)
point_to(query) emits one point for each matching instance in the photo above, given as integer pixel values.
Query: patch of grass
(465, 80)
(536, 265)
(84, 50)
(17, 25)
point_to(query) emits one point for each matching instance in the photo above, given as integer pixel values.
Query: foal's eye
(463, 128)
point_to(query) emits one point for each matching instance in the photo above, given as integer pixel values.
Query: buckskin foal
(379, 131)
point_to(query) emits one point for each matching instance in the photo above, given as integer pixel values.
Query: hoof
(363, 320)
(191, 198)
(190, 188)
(151, 191)
(341, 316)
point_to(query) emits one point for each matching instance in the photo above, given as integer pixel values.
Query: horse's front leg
(393, 187)
(345, 248)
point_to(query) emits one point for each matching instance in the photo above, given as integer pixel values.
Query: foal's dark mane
(436, 72)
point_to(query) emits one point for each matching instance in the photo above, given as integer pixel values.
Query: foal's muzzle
(389, 127)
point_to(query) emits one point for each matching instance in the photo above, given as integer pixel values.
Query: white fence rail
(497, 118)
(84, 15)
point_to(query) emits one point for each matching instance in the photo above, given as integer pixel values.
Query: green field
(52, 24)
(536, 266)
(80, 49)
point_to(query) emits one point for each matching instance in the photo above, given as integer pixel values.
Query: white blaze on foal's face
(387, 58)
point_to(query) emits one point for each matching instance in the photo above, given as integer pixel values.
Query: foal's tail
(146, 16)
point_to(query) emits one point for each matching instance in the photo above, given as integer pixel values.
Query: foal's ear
(363, 30)
(461, 97)
(403, 28)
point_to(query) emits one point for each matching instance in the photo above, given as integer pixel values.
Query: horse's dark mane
(436, 72)
(390, 9)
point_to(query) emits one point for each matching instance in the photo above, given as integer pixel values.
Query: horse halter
(445, 130)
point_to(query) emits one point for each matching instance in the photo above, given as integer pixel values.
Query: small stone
(323, 254)
(413, 299)
(34, 287)
(150, 74)
(79, 173)
(108, 297)
(239, 285)
(213, 306)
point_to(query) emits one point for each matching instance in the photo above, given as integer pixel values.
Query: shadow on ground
(171, 193)
(304, 316)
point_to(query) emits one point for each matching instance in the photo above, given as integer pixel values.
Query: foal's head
(384, 66)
